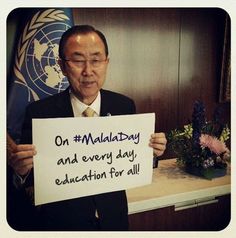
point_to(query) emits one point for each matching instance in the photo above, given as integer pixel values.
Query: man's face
(85, 65)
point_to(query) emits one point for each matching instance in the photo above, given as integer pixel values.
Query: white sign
(80, 156)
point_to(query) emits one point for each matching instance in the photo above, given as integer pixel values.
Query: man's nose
(87, 70)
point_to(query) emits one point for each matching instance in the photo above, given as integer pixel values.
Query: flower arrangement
(200, 146)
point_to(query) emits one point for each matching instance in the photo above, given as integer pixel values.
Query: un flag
(35, 72)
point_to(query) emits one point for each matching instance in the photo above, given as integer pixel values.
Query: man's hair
(80, 30)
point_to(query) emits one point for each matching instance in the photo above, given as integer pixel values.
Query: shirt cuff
(19, 180)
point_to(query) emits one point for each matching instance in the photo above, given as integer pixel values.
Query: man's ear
(62, 66)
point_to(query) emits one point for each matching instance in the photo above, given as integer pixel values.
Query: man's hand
(21, 158)
(158, 143)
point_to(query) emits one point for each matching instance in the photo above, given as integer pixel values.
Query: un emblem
(36, 62)
(41, 59)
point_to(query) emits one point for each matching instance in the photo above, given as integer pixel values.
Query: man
(83, 53)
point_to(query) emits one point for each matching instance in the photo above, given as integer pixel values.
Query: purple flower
(198, 121)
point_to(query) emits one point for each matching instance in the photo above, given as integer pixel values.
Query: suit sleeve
(131, 107)
(26, 132)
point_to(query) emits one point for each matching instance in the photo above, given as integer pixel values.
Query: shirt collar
(79, 107)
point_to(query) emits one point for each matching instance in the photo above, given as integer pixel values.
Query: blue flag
(36, 74)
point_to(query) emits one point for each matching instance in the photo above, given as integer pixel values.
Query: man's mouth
(88, 83)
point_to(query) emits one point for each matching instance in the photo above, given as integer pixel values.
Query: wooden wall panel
(164, 59)
(200, 60)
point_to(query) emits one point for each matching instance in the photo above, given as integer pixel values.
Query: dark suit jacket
(78, 214)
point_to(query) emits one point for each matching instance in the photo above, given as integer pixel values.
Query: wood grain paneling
(211, 217)
(200, 58)
(164, 59)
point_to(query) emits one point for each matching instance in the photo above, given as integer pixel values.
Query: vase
(208, 173)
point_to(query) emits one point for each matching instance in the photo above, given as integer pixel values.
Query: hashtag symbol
(77, 138)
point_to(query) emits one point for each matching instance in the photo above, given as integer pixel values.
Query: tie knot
(89, 112)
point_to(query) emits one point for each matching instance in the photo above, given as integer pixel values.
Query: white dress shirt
(79, 107)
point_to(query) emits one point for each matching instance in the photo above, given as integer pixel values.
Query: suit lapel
(64, 108)
(106, 104)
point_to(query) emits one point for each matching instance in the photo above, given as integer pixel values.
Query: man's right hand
(21, 158)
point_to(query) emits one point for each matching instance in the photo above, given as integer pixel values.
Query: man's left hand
(158, 143)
